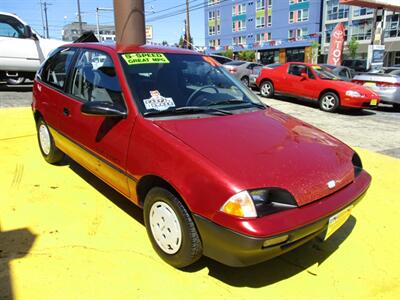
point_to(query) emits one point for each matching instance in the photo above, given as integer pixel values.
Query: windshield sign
(172, 83)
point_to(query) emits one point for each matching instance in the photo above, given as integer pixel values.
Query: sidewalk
(66, 235)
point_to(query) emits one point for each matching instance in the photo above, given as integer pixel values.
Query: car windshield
(165, 82)
(324, 73)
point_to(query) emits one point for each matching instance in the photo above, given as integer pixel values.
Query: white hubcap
(328, 102)
(266, 89)
(165, 227)
(44, 138)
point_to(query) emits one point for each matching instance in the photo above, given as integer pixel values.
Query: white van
(22, 50)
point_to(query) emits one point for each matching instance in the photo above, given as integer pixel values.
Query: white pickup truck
(22, 50)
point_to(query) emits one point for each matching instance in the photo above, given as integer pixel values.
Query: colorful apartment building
(279, 30)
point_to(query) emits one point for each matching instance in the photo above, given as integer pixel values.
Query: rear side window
(56, 68)
(95, 79)
(297, 69)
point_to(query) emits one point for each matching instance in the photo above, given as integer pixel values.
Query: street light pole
(129, 22)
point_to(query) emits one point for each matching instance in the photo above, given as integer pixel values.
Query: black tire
(329, 102)
(245, 81)
(190, 248)
(267, 89)
(50, 152)
(396, 106)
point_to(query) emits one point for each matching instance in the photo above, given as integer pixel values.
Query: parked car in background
(22, 50)
(217, 172)
(344, 73)
(386, 84)
(257, 71)
(316, 83)
(221, 59)
(358, 65)
(241, 70)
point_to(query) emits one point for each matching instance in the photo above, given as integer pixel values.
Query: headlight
(354, 94)
(258, 203)
(356, 160)
(240, 205)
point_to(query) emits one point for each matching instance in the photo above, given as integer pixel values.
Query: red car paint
(312, 89)
(207, 160)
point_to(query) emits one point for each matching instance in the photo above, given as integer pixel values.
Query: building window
(263, 37)
(211, 15)
(238, 40)
(362, 30)
(212, 2)
(297, 34)
(329, 28)
(214, 43)
(260, 4)
(300, 15)
(260, 22)
(238, 26)
(336, 11)
(362, 11)
(392, 26)
(269, 3)
(239, 9)
(211, 30)
(269, 23)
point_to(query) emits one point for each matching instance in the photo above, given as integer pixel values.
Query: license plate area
(337, 220)
(374, 102)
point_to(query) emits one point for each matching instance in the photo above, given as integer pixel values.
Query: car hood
(348, 85)
(267, 148)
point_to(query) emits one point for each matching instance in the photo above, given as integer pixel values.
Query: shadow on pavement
(14, 244)
(16, 88)
(119, 200)
(281, 267)
(269, 272)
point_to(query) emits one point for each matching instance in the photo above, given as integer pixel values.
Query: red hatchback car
(317, 83)
(217, 172)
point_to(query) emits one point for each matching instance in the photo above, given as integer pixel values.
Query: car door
(294, 81)
(17, 52)
(97, 142)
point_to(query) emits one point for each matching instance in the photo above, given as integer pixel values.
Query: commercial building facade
(279, 30)
(359, 23)
(71, 31)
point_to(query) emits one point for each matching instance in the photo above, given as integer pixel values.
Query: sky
(61, 12)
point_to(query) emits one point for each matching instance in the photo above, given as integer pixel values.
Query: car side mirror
(104, 109)
(304, 75)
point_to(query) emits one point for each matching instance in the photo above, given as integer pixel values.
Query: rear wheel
(267, 89)
(171, 229)
(46, 143)
(329, 102)
(396, 106)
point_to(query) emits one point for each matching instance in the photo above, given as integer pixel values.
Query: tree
(227, 53)
(182, 42)
(164, 43)
(248, 55)
(314, 51)
(353, 47)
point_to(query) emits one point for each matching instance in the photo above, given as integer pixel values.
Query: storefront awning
(393, 5)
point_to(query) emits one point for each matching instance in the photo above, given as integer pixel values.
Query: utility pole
(79, 17)
(45, 16)
(129, 22)
(41, 13)
(187, 30)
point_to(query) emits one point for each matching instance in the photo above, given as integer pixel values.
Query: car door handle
(66, 112)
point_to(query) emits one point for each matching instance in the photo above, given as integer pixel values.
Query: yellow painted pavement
(66, 235)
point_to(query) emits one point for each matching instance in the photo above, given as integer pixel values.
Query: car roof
(133, 48)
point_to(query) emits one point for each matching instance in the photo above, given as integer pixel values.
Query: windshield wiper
(188, 109)
(237, 101)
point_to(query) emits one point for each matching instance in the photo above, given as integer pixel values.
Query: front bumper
(236, 249)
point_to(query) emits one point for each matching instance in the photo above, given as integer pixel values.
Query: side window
(56, 68)
(95, 79)
(10, 27)
(296, 70)
(343, 73)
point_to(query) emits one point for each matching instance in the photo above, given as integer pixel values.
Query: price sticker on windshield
(145, 58)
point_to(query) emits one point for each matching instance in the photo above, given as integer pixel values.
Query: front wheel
(46, 143)
(171, 229)
(267, 89)
(329, 102)
(245, 81)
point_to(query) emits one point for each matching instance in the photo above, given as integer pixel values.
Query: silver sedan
(241, 69)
